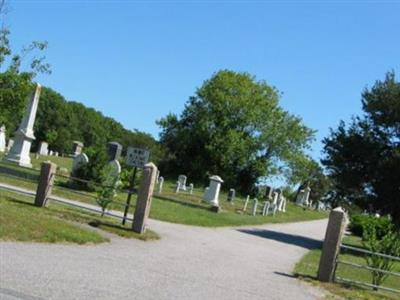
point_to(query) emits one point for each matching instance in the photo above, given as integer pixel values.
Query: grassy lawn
(307, 269)
(181, 208)
(21, 221)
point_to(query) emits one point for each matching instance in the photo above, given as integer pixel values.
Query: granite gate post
(45, 185)
(145, 195)
(331, 246)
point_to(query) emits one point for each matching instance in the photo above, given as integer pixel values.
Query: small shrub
(358, 222)
(388, 244)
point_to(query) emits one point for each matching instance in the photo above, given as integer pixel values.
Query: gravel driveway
(187, 263)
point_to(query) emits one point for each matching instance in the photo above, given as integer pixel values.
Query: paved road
(187, 263)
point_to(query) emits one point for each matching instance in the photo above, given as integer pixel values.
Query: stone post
(145, 195)
(332, 242)
(45, 185)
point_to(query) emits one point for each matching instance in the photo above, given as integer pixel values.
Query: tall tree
(234, 127)
(363, 158)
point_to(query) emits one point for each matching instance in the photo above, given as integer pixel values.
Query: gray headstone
(114, 150)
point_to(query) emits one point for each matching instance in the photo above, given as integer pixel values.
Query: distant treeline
(60, 122)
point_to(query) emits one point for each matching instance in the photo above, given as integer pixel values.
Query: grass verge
(21, 221)
(307, 270)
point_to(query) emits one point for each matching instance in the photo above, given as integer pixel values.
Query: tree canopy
(234, 127)
(363, 158)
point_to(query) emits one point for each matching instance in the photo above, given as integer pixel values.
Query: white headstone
(182, 182)
(2, 138)
(51, 152)
(20, 151)
(191, 187)
(246, 202)
(212, 194)
(160, 184)
(255, 207)
(79, 161)
(307, 196)
(43, 148)
(10, 144)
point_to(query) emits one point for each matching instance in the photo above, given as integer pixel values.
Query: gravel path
(187, 263)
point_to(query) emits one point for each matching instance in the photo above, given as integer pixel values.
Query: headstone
(191, 187)
(255, 207)
(231, 195)
(268, 193)
(78, 162)
(77, 148)
(266, 207)
(160, 184)
(300, 197)
(281, 202)
(177, 187)
(10, 144)
(2, 138)
(23, 137)
(114, 150)
(212, 194)
(246, 202)
(51, 153)
(307, 196)
(275, 197)
(182, 182)
(56, 153)
(43, 148)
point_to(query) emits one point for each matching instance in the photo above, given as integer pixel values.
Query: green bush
(359, 222)
(92, 171)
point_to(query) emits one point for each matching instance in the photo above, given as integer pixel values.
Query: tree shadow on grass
(292, 239)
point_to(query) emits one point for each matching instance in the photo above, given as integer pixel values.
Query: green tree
(363, 159)
(233, 127)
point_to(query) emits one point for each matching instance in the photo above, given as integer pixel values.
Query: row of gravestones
(275, 201)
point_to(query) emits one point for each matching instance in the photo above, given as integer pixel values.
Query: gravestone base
(20, 151)
(216, 209)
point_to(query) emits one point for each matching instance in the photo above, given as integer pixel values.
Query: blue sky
(137, 61)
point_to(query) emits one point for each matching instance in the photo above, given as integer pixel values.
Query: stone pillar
(332, 242)
(144, 198)
(20, 150)
(45, 185)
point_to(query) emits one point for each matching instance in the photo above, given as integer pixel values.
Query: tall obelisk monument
(24, 136)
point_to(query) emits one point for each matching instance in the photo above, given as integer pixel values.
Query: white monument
(212, 194)
(2, 138)
(43, 148)
(20, 150)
